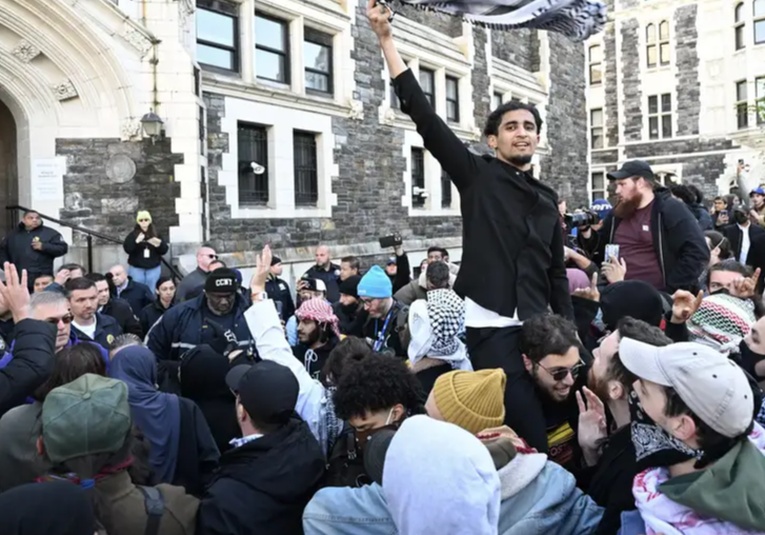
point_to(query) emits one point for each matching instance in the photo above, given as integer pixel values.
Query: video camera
(585, 218)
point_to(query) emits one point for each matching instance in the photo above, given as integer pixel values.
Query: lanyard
(381, 334)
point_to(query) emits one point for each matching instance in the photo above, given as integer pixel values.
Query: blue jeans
(149, 277)
(348, 511)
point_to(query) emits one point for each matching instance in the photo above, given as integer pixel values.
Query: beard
(520, 161)
(625, 209)
(310, 338)
(599, 387)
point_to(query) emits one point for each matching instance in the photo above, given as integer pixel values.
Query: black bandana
(654, 447)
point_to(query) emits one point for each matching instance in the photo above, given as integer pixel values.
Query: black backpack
(345, 464)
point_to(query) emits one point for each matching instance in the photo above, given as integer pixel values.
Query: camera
(584, 218)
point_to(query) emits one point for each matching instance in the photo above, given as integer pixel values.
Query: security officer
(279, 291)
(215, 318)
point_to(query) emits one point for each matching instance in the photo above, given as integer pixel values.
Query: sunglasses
(559, 374)
(213, 256)
(144, 220)
(66, 319)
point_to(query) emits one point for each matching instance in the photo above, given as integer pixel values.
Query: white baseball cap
(710, 384)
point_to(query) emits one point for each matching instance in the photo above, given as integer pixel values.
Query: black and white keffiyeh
(435, 325)
(576, 19)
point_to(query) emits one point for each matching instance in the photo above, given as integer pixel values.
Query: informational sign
(48, 179)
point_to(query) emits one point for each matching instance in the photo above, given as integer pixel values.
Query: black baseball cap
(268, 391)
(631, 169)
(350, 286)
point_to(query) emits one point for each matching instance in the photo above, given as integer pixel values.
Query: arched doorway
(9, 176)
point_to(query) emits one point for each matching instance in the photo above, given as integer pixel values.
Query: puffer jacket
(16, 248)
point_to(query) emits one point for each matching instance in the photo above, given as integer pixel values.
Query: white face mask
(390, 416)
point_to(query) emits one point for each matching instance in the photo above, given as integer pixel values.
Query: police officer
(279, 291)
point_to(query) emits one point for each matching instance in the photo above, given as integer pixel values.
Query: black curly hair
(374, 384)
(547, 334)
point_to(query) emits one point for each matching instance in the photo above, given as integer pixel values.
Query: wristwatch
(259, 296)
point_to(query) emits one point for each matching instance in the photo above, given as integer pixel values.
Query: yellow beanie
(143, 214)
(473, 401)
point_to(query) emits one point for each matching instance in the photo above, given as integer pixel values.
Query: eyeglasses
(559, 374)
(66, 319)
(144, 220)
(367, 301)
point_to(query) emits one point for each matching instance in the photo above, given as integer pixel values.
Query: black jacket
(261, 488)
(120, 310)
(107, 329)
(736, 237)
(512, 239)
(279, 291)
(137, 295)
(349, 321)
(150, 314)
(403, 273)
(17, 249)
(677, 240)
(136, 255)
(330, 277)
(32, 363)
(198, 454)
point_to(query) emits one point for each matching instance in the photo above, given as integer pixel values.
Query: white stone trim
(281, 122)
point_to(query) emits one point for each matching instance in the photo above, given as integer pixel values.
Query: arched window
(739, 25)
(657, 46)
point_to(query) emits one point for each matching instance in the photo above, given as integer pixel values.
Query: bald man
(195, 280)
(327, 272)
(137, 294)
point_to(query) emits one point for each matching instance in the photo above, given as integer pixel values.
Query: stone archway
(9, 179)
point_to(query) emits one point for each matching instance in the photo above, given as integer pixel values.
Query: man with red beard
(658, 237)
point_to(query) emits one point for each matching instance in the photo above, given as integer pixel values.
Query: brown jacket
(122, 508)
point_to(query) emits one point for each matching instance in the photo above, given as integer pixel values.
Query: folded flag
(576, 19)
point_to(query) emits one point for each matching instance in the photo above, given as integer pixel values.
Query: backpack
(345, 464)
(155, 508)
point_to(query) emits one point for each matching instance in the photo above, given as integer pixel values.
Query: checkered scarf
(722, 321)
(320, 311)
(576, 19)
(446, 320)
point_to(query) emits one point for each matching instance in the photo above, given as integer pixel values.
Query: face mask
(740, 217)
(654, 447)
(723, 291)
(362, 437)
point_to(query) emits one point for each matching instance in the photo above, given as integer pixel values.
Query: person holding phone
(512, 263)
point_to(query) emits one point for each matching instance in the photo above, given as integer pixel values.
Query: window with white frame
(739, 26)
(272, 53)
(306, 168)
(317, 61)
(428, 84)
(252, 145)
(759, 99)
(446, 190)
(742, 105)
(595, 59)
(418, 177)
(598, 185)
(758, 14)
(218, 36)
(660, 116)
(657, 44)
(667, 178)
(496, 100)
(596, 128)
(452, 99)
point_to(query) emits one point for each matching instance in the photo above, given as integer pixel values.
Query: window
(317, 56)
(217, 39)
(496, 100)
(759, 99)
(667, 178)
(660, 116)
(428, 84)
(596, 128)
(418, 177)
(252, 143)
(657, 47)
(595, 56)
(446, 190)
(271, 49)
(306, 169)
(759, 21)
(452, 99)
(394, 102)
(739, 26)
(201, 121)
(742, 106)
(598, 185)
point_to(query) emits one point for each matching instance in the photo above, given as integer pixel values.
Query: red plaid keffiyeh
(320, 311)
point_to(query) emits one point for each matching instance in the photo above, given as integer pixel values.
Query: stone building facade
(279, 122)
(675, 83)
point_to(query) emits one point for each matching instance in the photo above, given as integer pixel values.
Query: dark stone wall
(633, 96)
(94, 200)
(688, 85)
(519, 47)
(668, 148)
(370, 182)
(565, 168)
(611, 87)
(451, 26)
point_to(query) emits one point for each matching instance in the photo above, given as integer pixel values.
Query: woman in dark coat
(145, 249)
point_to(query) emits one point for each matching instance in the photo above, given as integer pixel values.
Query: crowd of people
(597, 374)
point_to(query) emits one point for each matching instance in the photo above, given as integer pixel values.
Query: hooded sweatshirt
(439, 478)
(726, 497)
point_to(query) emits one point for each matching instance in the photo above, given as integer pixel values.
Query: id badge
(146, 252)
